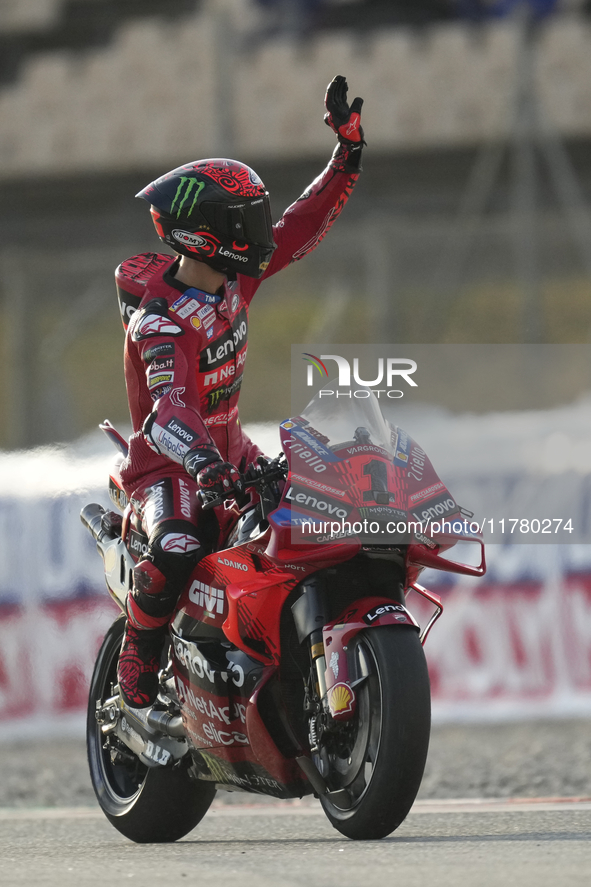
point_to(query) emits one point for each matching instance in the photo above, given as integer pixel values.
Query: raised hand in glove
(344, 120)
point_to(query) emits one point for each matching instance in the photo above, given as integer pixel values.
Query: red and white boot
(139, 664)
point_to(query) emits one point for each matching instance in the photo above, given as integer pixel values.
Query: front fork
(318, 662)
(317, 704)
(334, 696)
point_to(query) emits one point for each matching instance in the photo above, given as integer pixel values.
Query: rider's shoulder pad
(153, 320)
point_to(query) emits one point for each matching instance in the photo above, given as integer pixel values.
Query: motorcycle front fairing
(358, 480)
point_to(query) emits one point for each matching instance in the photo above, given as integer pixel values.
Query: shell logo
(340, 699)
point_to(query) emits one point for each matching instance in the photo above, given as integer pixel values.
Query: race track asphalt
(53, 834)
(257, 847)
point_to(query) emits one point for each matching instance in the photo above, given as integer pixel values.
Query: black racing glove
(198, 457)
(345, 121)
(220, 477)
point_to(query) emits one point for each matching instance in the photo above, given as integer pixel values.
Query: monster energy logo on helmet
(187, 184)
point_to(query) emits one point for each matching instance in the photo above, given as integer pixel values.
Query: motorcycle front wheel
(379, 756)
(146, 804)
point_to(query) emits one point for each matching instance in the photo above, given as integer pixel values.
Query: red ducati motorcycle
(294, 666)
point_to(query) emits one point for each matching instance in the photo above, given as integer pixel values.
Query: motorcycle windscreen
(347, 421)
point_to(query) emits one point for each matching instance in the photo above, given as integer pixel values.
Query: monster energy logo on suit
(186, 183)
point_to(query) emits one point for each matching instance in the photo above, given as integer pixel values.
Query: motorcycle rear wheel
(146, 804)
(379, 757)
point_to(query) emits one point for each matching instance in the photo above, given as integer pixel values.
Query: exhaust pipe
(92, 516)
(116, 558)
(163, 722)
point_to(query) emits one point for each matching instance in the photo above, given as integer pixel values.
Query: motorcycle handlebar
(255, 477)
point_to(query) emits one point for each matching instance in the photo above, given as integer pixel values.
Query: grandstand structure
(123, 91)
(99, 96)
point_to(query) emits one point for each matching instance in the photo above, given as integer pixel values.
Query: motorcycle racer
(185, 348)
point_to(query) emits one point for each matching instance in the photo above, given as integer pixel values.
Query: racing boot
(149, 608)
(139, 664)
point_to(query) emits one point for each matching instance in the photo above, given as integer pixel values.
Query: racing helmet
(216, 211)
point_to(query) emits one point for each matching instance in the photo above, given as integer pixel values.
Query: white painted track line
(310, 807)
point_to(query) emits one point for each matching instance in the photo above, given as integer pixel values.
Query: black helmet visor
(249, 220)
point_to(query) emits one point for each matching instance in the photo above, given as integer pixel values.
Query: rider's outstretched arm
(306, 222)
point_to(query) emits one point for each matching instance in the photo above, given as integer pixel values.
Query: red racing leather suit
(185, 349)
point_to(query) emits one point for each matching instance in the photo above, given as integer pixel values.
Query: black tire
(380, 757)
(146, 804)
